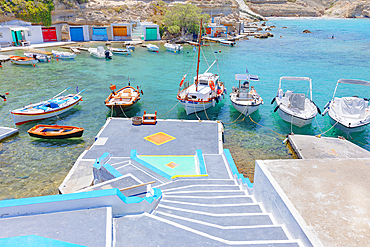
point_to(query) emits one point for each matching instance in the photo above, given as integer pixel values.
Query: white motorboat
(152, 48)
(46, 109)
(227, 42)
(349, 114)
(38, 57)
(205, 91)
(63, 54)
(100, 52)
(295, 108)
(173, 47)
(120, 51)
(244, 100)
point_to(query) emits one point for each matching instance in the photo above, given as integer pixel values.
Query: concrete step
(240, 233)
(131, 231)
(88, 227)
(231, 219)
(207, 187)
(187, 182)
(204, 193)
(118, 162)
(210, 200)
(215, 208)
(138, 174)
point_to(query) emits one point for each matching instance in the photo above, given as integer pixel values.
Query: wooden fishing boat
(22, 60)
(38, 57)
(55, 131)
(123, 99)
(152, 48)
(173, 47)
(46, 109)
(227, 42)
(205, 91)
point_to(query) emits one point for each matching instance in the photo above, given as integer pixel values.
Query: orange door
(119, 31)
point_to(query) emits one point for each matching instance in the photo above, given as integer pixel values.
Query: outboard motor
(107, 55)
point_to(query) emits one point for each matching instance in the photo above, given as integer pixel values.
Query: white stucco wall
(6, 35)
(34, 35)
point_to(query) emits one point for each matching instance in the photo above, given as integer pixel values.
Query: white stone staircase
(202, 212)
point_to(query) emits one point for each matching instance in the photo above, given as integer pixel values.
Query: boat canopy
(353, 81)
(243, 77)
(294, 78)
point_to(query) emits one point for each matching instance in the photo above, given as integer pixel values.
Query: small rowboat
(227, 42)
(152, 48)
(55, 131)
(63, 54)
(123, 99)
(23, 60)
(120, 51)
(38, 57)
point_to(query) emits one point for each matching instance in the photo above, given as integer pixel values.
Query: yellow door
(119, 31)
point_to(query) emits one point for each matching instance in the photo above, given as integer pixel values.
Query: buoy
(219, 51)
(34, 65)
(187, 52)
(157, 51)
(174, 51)
(57, 59)
(215, 51)
(7, 93)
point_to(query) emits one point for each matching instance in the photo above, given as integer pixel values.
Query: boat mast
(200, 39)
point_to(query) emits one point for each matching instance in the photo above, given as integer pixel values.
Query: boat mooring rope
(4, 116)
(205, 111)
(265, 127)
(323, 133)
(123, 111)
(196, 112)
(170, 110)
(242, 113)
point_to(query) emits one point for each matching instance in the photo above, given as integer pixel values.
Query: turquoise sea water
(31, 167)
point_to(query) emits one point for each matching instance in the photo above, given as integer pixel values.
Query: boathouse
(150, 31)
(79, 33)
(100, 33)
(121, 31)
(19, 33)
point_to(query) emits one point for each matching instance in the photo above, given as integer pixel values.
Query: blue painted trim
(78, 196)
(112, 171)
(202, 166)
(234, 170)
(99, 162)
(34, 240)
(133, 156)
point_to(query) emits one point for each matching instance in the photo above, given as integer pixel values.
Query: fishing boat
(173, 47)
(349, 114)
(123, 99)
(22, 60)
(63, 54)
(55, 131)
(38, 57)
(295, 108)
(205, 91)
(100, 52)
(152, 48)
(46, 109)
(227, 42)
(244, 100)
(120, 51)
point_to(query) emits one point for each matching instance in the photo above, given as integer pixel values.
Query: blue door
(99, 34)
(77, 33)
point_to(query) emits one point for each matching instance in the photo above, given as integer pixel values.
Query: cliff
(102, 12)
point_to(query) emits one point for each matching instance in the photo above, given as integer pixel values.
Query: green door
(151, 33)
(17, 37)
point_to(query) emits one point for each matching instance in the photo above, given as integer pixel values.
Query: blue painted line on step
(112, 171)
(202, 166)
(234, 169)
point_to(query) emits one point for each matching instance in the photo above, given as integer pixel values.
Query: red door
(49, 34)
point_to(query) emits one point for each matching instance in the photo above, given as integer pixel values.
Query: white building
(19, 33)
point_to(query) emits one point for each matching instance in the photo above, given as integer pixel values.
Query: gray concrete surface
(84, 227)
(331, 195)
(311, 147)
(6, 132)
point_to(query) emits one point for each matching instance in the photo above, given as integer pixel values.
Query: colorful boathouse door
(99, 34)
(17, 37)
(77, 33)
(151, 33)
(49, 34)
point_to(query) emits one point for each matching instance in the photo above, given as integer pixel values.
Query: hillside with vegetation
(100, 12)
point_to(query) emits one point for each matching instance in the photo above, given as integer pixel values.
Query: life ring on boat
(182, 82)
(219, 91)
(212, 85)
